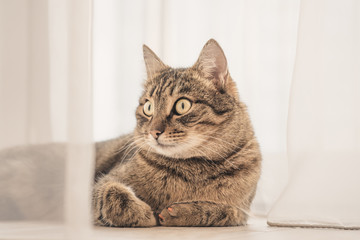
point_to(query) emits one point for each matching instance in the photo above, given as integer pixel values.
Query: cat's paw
(177, 214)
(201, 214)
(121, 208)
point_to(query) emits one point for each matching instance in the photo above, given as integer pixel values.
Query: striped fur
(203, 168)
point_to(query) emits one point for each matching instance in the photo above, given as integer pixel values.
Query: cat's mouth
(165, 142)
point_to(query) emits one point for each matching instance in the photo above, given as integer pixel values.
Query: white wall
(258, 37)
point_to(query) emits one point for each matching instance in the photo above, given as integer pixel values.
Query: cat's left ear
(152, 62)
(213, 65)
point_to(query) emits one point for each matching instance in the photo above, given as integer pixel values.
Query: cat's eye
(182, 106)
(148, 109)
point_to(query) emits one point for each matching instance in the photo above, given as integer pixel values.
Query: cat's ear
(152, 62)
(213, 65)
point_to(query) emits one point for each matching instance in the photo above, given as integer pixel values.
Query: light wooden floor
(256, 230)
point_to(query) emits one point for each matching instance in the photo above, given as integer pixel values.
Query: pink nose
(155, 133)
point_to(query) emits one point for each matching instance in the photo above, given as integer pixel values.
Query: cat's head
(186, 112)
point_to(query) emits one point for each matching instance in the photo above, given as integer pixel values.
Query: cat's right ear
(152, 62)
(213, 65)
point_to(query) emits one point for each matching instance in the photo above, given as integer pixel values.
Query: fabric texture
(46, 98)
(324, 120)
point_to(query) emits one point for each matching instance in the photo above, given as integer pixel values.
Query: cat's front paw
(178, 214)
(121, 208)
(201, 213)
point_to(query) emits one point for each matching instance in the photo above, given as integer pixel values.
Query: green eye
(182, 106)
(148, 109)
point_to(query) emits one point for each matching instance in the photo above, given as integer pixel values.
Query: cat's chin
(172, 151)
(186, 148)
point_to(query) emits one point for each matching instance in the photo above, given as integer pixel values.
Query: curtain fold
(46, 99)
(80, 154)
(323, 123)
(46, 151)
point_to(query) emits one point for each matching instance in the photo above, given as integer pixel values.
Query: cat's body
(193, 159)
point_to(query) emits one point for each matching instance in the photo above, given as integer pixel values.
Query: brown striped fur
(203, 168)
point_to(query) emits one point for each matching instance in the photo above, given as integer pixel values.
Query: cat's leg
(115, 204)
(201, 213)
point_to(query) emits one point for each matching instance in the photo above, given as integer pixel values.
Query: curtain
(46, 136)
(324, 120)
(259, 40)
(71, 72)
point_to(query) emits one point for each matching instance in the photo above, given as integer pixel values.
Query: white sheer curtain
(324, 120)
(45, 98)
(258, 37)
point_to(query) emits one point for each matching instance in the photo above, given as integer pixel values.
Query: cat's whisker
(133, 140)
(204, 157)
(228, 148)
(129, 150)
(203, 146)
(215, 135)
(196, 139)
(137, 151)
(139, 148)
(147, 151)
(219, 139)
(221, 156)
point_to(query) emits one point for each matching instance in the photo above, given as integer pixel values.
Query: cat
(193, 158)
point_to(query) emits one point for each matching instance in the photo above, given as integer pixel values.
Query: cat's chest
(161, 187)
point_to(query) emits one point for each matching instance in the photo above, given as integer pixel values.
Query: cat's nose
(155, 133)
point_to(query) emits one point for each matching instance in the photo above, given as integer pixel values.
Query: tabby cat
(192, 160)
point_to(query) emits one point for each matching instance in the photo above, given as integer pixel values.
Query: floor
(255, 230)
